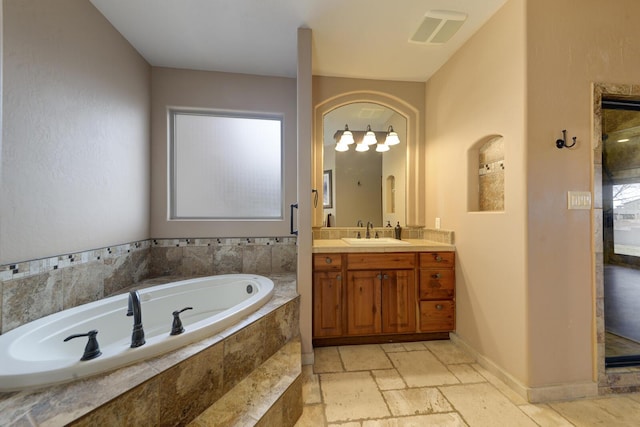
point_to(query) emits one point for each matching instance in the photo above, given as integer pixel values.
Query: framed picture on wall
(327, 190)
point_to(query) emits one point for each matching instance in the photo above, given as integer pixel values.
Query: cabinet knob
(339, 277)
(437, 257)
(439, 307)
(436, 276)
(328, 260)
(385, 276)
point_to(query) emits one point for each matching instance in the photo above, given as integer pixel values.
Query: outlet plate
(578, 200)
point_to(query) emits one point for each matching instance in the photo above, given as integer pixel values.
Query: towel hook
(562, 143)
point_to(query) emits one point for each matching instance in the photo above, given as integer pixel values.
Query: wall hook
(562, 143)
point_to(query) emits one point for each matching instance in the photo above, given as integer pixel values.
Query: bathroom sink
(382, 241)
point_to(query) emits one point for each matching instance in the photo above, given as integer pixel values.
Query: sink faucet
(369, 224)
(359, 223)
(135, 310)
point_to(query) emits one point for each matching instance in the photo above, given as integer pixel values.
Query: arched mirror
(402, 172)
(364, 182)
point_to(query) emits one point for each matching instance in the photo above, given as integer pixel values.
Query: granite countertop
(415, 245)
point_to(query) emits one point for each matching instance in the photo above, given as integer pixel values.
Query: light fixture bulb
(369, 137)
(392, 137)
(342, 147)
(361, 146)
(347, 136)
(381, 148)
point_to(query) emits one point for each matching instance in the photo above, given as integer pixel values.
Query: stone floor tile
(364, 357)
(351, 396)
(466, 373)
(327, 359)
(312, 416)
(545, 416)
(440, 420)
(393, 347)
(310, 386)
(414, 346)
(388, 379)
(416, 401)
(500, 385)
(421, 369)
(448, 352)
(609, 411)
(482, 405)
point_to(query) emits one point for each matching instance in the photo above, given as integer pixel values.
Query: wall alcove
(485, 169)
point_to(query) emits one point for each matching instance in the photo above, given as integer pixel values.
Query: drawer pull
(437, 258)
(328, 260)
(439, 307)
(436, 276)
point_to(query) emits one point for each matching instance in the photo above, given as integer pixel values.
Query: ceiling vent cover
(438, 26)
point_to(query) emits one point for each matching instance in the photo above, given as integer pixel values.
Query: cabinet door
(363, 302)
(327, 309)
(398, 301)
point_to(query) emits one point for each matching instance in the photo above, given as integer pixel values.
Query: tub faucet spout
(135, 310)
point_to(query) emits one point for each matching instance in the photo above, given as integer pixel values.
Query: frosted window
(225, 167)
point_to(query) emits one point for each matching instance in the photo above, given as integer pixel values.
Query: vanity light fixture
(382, 147)
(342, 147)
(392, 137)
(365, 138)
(347, 136)
(369, 137)
(361, 146)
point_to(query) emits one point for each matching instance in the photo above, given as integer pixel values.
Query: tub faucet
(135, 310)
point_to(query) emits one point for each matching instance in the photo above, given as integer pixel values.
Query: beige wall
(571, 43)
(75, 137)
(525, 287)
(480, 91)
(224, 91)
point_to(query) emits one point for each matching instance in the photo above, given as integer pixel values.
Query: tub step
(271, 395)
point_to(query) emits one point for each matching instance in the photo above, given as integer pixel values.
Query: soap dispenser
(398, 231)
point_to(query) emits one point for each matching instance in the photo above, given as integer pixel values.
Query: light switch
(579, 200)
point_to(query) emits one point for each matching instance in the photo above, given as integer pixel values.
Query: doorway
(620, 157)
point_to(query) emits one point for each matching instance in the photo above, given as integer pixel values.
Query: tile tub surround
(176, 387)
(33, 289)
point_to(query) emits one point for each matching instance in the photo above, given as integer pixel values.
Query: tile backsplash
(33, 289)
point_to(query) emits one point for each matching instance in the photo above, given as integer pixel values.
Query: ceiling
(350, 38)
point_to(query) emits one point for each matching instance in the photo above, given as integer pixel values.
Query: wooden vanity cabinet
(327, 295)
(382, 297)
(437, 291)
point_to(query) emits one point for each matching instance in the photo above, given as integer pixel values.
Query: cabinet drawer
(437, 316)
(437, 284)
(394, 261)
(437, 259)
(327, 261)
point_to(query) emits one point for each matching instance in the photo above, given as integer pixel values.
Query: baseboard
(308, 358)
(543, 394)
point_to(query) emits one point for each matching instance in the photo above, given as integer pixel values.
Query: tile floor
(434, 383)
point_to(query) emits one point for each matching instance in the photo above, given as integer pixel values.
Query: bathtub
(36, 355)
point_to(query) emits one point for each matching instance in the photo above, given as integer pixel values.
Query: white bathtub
(35, 354)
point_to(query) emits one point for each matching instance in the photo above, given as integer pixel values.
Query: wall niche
(486, 174)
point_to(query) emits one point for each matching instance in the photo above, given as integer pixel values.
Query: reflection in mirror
(366, 185)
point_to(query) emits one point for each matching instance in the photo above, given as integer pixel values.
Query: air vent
(438, 26)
